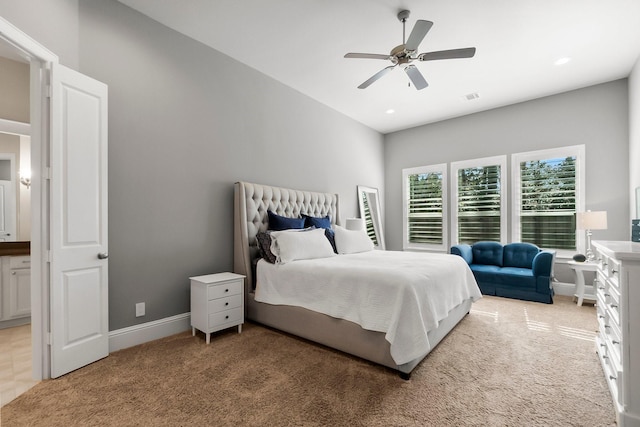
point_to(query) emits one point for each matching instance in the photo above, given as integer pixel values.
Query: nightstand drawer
(228, 316)
(221, 304)
(225, 289)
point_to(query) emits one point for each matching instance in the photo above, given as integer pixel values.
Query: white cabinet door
(19, 293)
(78, 229)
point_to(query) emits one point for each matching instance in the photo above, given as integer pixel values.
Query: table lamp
(591, 221)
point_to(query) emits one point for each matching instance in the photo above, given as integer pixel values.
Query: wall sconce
(25, 178)
(591, 221)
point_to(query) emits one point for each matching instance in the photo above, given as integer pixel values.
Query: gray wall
(52, 23)
(595, 116)
(14, 90)
(185, 123)
(634, 137)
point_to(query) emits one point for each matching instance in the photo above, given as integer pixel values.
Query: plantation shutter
(548, 202)
(425, 207)
(371, 232)
(479, 204)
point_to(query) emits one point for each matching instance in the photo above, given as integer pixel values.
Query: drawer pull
(611, 377)
(604, 356)
(601, 316)
(226, 317)
(614, 305)
(614, 271)
(607, 326)
(601, 288)
(226, 290)
(603, 345)
(226, 303)
(615, 342)
(607, 295)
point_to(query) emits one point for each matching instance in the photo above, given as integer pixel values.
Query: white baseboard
(145, 332)
(562, 288)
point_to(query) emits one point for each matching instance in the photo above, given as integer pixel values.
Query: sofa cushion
(520, 254)
(488, 253)
(514, 277)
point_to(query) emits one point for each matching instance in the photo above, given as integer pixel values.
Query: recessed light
(562, 61)
(390, 111)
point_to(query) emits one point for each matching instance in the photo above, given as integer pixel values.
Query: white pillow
(289, 246)
(352, 241)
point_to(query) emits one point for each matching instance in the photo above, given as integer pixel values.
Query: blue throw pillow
(317, 222)
(278, 222)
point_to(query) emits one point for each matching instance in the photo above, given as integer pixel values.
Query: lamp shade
(354, 224)
(591, 220)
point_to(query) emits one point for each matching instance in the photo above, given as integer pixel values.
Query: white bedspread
(403, 294)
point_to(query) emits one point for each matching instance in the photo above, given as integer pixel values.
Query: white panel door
(78, 200)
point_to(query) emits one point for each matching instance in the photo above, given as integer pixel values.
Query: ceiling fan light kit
(406, 53)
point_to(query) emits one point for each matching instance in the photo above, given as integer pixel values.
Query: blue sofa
(515, 270)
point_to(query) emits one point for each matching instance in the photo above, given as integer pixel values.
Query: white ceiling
(301, 43)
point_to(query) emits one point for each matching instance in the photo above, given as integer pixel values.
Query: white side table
(582, 290)
(217, 302)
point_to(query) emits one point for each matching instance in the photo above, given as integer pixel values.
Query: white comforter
(403, 294)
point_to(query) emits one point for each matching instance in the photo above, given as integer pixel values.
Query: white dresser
(217, 302)
(618, 339)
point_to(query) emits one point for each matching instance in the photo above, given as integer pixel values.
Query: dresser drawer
(229, 316)
(612, 302)
(224, 289)
(226, 303)
(20, 262)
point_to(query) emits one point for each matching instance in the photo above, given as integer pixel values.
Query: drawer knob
(607, 295)
(226, 290)
(607, 326)
(226, 317)
(611, 377)
(615, 342)
(226, 303)
(603, 345)
(614, 305)
(601, 316)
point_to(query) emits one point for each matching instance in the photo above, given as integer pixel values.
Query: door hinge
(47, 256)
(48, 91)
(48, 338)
(46, 172)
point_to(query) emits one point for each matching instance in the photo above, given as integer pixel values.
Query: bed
(338, 330)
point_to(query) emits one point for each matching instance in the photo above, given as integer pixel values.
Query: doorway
(20, 49)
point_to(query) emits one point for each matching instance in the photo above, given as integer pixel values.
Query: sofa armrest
(543, 263)
(464, 251)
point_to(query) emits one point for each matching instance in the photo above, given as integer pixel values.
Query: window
(479, 197)
(548, 191)
(424, 207)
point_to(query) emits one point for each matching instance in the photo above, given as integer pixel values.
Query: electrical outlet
(140, 309)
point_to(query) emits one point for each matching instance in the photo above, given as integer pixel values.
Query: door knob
(103, 255)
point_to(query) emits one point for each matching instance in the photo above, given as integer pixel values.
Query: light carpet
(508, 363)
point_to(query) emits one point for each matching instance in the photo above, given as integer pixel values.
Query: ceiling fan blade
(420, 30)
(376, 76)
(466, 52)
(416, 77)
(367, 55)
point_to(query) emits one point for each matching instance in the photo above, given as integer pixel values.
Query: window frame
(504, 184)
(516, 196)
(406, 245)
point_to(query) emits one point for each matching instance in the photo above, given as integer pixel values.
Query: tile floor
(15, 363)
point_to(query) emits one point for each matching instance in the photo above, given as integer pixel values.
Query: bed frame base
(344, 335)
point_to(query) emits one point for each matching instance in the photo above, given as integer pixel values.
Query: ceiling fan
(406, 53)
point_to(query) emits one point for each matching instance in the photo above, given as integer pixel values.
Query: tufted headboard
(251, 203)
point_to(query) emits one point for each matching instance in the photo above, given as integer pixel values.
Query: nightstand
(582, 292)
(217, 302)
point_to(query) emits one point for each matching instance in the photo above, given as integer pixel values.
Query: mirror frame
(375, 217)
